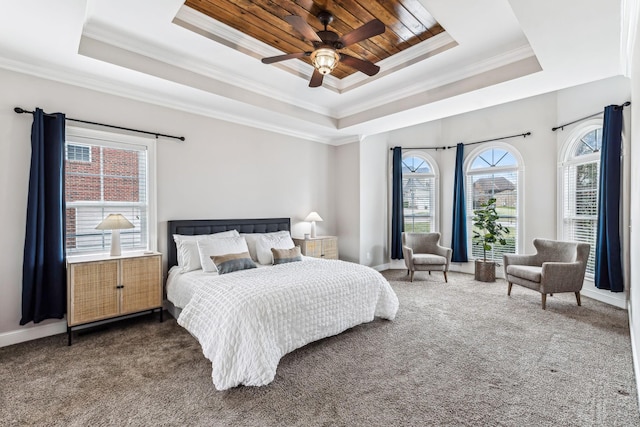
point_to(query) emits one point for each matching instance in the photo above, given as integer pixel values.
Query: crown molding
(461, 73)
(204, 25)
(423, 50)
(121, 40)
(219, 32)
(117, 88)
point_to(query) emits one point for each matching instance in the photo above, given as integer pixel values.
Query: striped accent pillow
(282, 256)
(229, 263)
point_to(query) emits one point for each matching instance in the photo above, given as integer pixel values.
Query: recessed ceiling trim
(217, 31)
(119, 39)
(460, 74)
(428, 48)
(116, 88)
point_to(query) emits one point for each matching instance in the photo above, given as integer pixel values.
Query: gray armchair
(556, 267)
(422, 252)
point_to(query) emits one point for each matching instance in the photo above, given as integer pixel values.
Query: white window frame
(436, 183)
(85, 136)
(566, 159)
(520, 190)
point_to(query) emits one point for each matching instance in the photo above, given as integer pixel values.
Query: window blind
(418, 195)
(580, 204)
(503, 186)
(114, 180)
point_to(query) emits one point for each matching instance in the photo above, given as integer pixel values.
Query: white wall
(634, 278)
(223, 170)
(347, 188)
(374, 196)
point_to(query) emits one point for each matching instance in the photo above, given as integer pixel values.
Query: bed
(246, 320)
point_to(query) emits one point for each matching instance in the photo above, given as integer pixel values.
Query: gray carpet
(460, 354)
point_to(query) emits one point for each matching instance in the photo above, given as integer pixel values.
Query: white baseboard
(635, 351)
(381, 267)
(617, 299)
(32, 333)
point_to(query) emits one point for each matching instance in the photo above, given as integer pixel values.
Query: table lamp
(313, 217)
(115, 223)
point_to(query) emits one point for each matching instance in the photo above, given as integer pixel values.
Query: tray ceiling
(407, 23)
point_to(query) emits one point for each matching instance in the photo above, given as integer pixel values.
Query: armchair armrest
(562, 276)
(445, 252)
(407, 253)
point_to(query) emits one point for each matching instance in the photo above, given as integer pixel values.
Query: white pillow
(215, 247)
(187, 248)
(268, 241)
(252, 238)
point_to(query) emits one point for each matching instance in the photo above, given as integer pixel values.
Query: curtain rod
(446, 147)
(561, 127)
(181, 138)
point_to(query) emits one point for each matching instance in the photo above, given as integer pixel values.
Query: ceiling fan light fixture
(324, 60)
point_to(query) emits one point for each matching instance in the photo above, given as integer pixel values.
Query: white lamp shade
(313, 216)
(114, 222)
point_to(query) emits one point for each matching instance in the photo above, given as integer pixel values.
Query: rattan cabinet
(104, 287)
(319, 247)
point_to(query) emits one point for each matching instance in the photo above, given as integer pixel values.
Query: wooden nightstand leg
(69, 336)
(161, 314)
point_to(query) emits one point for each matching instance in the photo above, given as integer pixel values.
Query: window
(108, 173)
(494, 173)
(419, 193)
(78, 153)
(580, 181)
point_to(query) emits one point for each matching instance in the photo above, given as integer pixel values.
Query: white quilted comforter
(246, 321)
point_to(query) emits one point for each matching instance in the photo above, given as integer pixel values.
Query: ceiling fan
(326, 44)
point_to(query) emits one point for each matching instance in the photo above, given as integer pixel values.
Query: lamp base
(115, 243)
(313, 229)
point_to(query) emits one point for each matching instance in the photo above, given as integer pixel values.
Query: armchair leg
(445, 277)
(411, 276)
(408, 271)
(509, 289)
(544, 301)
(429, 272)
(578, 298)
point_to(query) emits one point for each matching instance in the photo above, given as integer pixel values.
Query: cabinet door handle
(119, 286)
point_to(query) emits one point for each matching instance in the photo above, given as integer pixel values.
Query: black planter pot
(485, 271)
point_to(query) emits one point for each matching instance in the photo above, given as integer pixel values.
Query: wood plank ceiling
(407, 23)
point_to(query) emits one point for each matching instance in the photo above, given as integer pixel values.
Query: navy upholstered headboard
(194, 227)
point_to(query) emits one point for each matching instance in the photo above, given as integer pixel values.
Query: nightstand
(101, 287)
(319, 247)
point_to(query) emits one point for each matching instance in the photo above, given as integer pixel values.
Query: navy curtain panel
(459, 232)
(397, 214)
(44, 272)
(608, 272)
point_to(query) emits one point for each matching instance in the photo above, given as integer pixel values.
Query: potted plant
(487, 232)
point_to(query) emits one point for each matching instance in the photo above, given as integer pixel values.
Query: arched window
(580, 177)
(419, 192)
(494, 173)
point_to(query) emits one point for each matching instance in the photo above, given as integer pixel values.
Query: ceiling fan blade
(316, 79)
(279, 58)
(370, 29)
(367, 67)
(303, 28)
